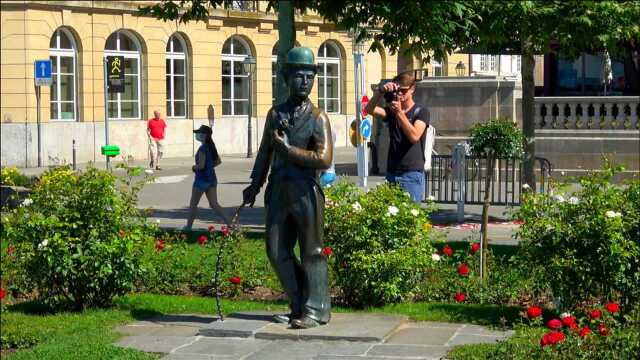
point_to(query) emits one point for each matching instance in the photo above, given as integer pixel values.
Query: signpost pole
(39, 126)
(106, 112)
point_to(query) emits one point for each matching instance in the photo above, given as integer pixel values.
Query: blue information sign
(365, 128)
(42, 73)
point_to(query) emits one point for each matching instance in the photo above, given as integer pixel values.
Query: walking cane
(216, 280)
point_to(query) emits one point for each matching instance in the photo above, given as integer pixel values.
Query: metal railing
(443, 182)
(587, 112)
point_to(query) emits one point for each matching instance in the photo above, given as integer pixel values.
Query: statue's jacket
(310, 149)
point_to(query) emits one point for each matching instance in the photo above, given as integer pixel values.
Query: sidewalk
(169, 197)
(349, 336)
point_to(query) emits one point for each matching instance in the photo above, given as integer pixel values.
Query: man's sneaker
(304, 323)
(282, 318)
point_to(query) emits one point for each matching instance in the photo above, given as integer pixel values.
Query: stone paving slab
(156, 344)
(232, 348)
(343, 326)
(412, 351)
(395, 338)
(422, 336)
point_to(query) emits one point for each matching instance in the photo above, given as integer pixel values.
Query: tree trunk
(287, 38)
(485, 214)
(528, 116)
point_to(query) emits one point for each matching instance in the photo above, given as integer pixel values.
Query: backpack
(428, 147)
(427, 143)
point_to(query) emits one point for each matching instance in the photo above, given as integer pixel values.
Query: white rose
(573, 200)
(564, 315)
(407, 194)
(431, 198)
(435, 257)
(148, 172)
(559, 198)
(157, 221)
(328, 186)
(43, 244)
(526, 186)
(27, 202)
(612, 214)
(393, 210)
(356, 206)
(414, 212)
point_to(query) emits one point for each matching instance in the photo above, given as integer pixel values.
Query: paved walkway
(169, 197)
(349, 336)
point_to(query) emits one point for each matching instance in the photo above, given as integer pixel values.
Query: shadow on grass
(479, 314)
(33, 307)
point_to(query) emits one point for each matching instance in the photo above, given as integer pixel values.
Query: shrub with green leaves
(498, 138)
(586, 242)
(380, 240)
(76, 240)
(10, 176)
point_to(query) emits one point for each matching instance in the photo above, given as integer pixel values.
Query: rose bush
(588, 245)
(77, 241)
(380, 243)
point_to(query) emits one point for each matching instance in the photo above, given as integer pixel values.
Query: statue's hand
(249, 195)
(280, 141)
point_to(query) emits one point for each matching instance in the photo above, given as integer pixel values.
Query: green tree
(436, 28)
(538, 27)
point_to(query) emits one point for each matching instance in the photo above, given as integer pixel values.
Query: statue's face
(301, 82)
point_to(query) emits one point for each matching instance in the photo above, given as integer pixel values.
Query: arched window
(235, 82)
(125, 105)
(62, 52)
(329, 78)
(176, 77)
(274, 70)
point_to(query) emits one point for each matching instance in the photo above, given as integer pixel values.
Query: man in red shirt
(155, 131)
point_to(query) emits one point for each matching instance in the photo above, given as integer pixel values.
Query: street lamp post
(248, 64)
(460, 68)
(359, 49)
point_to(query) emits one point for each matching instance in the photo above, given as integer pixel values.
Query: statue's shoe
(304, 323)
(283, 318)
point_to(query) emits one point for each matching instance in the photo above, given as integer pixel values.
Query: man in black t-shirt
(407, 130)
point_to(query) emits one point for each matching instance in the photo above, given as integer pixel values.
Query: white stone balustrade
(587, 112)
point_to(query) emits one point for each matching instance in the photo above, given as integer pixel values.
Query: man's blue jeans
(411, 181)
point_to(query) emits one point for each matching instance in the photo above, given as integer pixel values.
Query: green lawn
(89, 335)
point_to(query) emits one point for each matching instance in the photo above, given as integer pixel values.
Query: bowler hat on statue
(203, 129)
(300, 58)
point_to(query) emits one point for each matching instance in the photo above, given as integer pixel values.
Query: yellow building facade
(190, 72)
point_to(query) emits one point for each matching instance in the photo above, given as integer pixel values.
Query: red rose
(202, 240)
(459, 297)
(211, 228)
(613, 307)
(475, 247)
(225, 231)
(463, 270)
(602, 330)
(585, 331)
(327, 251)
(568, 320)
(235, 280)
(573, 326)
(447, 250)
(557, 337)
(554, 324)
(159, 245)
(595, 314)
(10, 250)
(534, 312)
(2, 293)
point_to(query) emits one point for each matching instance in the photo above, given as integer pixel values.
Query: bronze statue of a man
(296, 145)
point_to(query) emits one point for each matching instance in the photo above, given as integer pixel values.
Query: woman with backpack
(206, 182)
